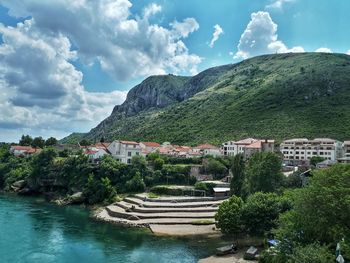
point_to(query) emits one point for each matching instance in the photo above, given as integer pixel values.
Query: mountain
(272, 96)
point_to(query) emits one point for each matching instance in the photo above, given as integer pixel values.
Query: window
(129, 161)
(129, 154)
(134, 146)
(137, 153)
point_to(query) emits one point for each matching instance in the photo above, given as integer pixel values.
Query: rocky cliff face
(153, 92)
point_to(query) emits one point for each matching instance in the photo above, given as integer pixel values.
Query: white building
(346, 153)
(22, 151)
(247, 147)
(302, 150)
(207, 149)
(124, 150)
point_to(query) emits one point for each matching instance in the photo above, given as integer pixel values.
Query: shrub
(228, 216)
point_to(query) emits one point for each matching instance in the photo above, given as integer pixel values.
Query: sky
(64, 64)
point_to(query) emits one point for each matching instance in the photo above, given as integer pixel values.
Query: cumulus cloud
(217, 32)
(106, 31)
(324, 50)
(348, 52)
(260, 37)
(42, 91)
(277, 4)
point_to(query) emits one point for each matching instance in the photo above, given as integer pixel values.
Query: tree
(260, 213)
(216, 168)
(264, 172)
(311, 253)
(237, 169)
(25, 140)
(84, 142)
(139, 162)
(38, 142)
(102, 140)
(316, 159)
(228, 216)
(158, 164)
(51, 141)
(136, 184)
(321, 210)
(99, 190)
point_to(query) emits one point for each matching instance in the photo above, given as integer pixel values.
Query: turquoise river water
(32, 230)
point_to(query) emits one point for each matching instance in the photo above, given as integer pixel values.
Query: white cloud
(217, 32)
(41, 89)
(324, 50)
(278, 4)
(260, 37)
(126, 45)
(348, 52)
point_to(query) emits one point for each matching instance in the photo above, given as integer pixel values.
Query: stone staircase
(139, 210)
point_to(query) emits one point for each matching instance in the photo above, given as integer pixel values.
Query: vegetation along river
(32, 230)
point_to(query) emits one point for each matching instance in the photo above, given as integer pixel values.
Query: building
(124, 150)
(207, 149)
(97, 151)
(148, 147)
(299, 151)
(23, 151)
(247, 147)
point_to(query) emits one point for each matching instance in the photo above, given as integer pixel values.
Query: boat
(229, 249)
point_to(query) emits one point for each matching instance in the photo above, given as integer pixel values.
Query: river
(32, 230)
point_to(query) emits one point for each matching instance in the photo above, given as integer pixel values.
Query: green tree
(321, 210)
(139, 162)
(158, 164)
(260, 213)
(237, 169)
(99, 190)
(229, 215)
(316, 159)
(51, 141)
(311, 253)
(264, 172)
(38, 142)
(25, 140)
(136, 184)
(216, 168)
(84, 142)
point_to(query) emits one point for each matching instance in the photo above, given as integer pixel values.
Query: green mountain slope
(276, 96)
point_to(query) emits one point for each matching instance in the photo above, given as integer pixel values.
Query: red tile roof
(151, 144)
(255, 145)
(206, 146)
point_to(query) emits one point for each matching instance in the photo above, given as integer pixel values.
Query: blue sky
(66, 63)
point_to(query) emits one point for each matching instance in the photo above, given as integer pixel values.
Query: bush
(158, 164)
(228, 217)
(136, 184)
(260, 213)
(97, 191)
(311, 253)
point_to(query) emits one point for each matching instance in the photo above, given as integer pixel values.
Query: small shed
(221, 192)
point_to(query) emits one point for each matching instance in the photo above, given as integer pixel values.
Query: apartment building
(302, 150)
(124, 150)
(247, 147)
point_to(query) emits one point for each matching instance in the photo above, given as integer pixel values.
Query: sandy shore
(185, 230)
(236, 258)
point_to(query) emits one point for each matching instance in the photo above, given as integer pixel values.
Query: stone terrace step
(126, 205)
(139, 202)
(175, 199)
(116, 211)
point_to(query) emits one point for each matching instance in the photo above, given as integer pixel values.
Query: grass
(153, 195)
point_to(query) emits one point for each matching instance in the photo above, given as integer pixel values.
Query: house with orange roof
(124, 150)
(23, 151)
(148, 147)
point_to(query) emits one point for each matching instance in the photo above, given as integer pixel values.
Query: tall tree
(238, 172)
(51, 141)
(25, 140)
(264, 172)
(84, 142)
(38, 142)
